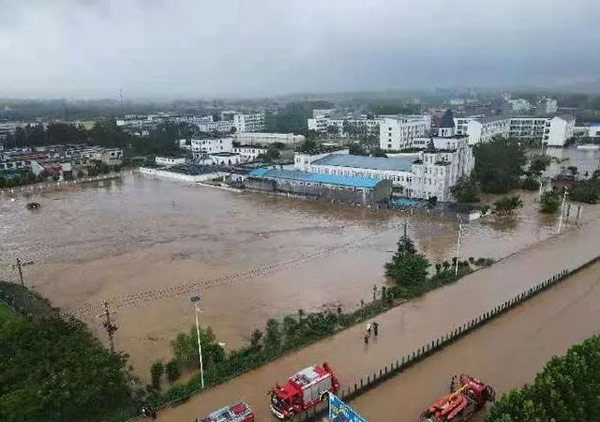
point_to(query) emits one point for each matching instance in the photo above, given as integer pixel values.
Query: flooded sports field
(147, 245)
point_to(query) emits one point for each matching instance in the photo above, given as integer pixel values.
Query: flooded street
(506, 353)
(147, 245)
(410, 326)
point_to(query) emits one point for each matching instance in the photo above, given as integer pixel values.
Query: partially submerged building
(342, 189)
(429, 172)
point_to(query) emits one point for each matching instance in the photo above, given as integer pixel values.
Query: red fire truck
(460, 405)
(240, 412)
(302, 391)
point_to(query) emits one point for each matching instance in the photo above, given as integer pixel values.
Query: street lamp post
(196, 301)
(457, 250)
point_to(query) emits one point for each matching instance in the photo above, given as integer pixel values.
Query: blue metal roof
(373, 163)
(328, 179)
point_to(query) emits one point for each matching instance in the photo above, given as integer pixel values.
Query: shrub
(156, 371)
(550, 202)
(172, 370)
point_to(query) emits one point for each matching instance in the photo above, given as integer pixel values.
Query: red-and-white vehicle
(460, 405)
(304, 390)
(239, 412)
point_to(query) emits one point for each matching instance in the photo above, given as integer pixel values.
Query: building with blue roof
(430, 172)
(336, 188)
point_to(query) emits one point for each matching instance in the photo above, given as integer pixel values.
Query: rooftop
(329, 179)
(359, 161)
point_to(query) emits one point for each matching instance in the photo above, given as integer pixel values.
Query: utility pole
(109, 326)
(20, 268)
(457, 250)
(20, 265)
(196, 301)
(562, 210)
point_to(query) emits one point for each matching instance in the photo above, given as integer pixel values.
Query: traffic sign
(341, 412)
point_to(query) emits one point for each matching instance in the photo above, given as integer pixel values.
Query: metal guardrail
(365, 384)
(396, 367)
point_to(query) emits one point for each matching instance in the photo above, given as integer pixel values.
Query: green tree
(272, 337)
(550, 202)
(156, 371)
(271, 154)
(587, 191)
(538, 164)
(567, 389)
(407, 268)
(466, 190)
(508, 205)
(185, 348)
(499, 165)
(172, 370)
(53, 369)
(308, 145)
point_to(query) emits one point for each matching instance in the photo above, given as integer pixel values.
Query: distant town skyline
(190, 49)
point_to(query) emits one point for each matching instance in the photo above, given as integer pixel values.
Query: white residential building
(431, 172)
(202, 147)
(587, 131)
(169, 161)
(520, 105)
(322, 112)
(225, 158)
(323, 124)
(265, 138)
(249, 152)
(222, 126)
(397, 133)
(249, 122)
(548, 106)
(528, 128)
(560, 131)
(483, 129)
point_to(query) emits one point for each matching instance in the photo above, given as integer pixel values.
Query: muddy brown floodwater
(506, 353)
(147, 245)
(406, 328)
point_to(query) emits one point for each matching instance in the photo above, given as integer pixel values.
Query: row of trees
(408, 269)
(568, 389)
(105, 133)
(24, 178)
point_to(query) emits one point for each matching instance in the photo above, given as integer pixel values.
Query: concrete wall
(166, 174)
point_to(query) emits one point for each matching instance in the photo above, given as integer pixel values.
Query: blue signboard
(341, 412)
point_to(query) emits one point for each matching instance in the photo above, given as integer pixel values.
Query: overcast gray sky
(200, 48)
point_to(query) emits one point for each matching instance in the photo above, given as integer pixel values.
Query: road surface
(406, 327)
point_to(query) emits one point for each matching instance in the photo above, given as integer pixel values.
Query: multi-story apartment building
(249, 152)
(266, 138)
(560, 131)
(345, 126)
(249, 122)
(222, 126)
(430, 172)
(483, 129)
(397, 133)
(203, 147)
(553, 131)
(547, 106)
